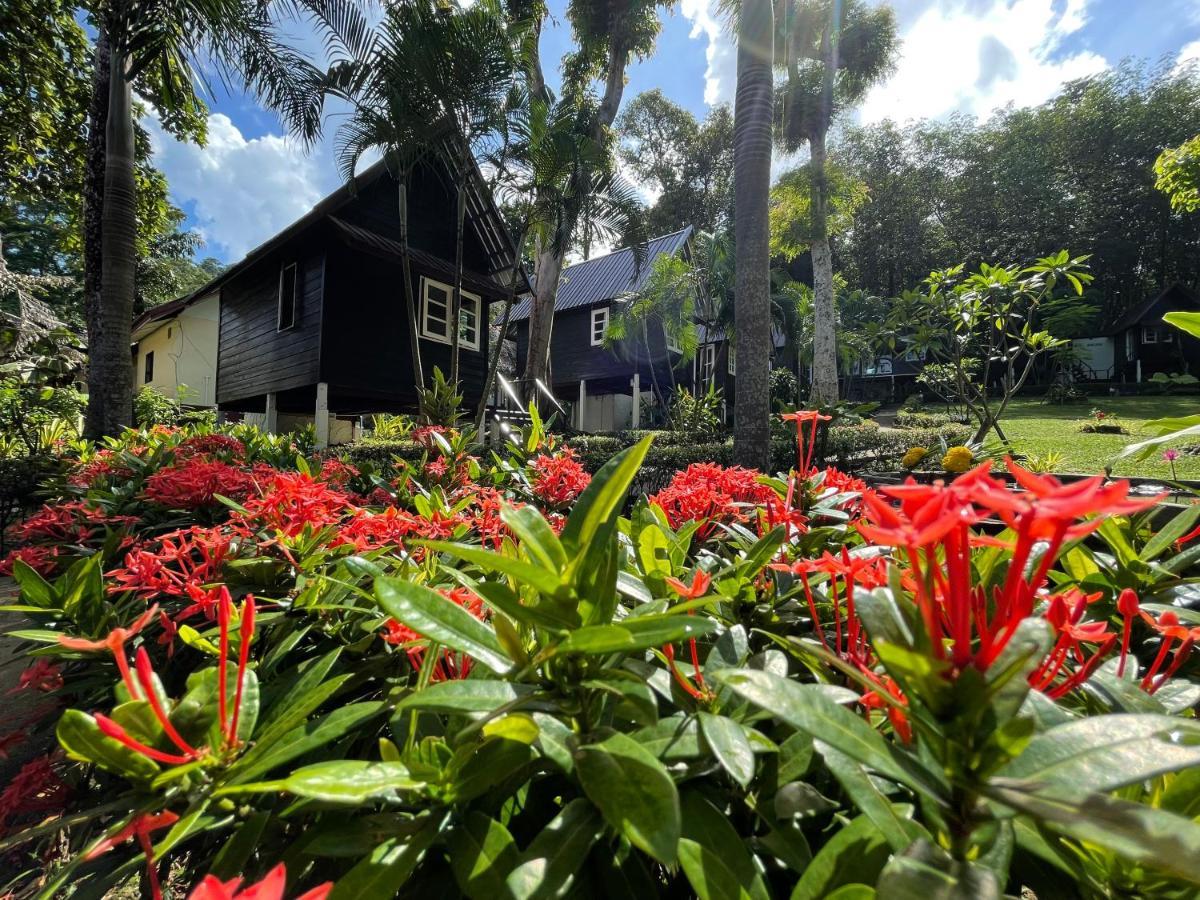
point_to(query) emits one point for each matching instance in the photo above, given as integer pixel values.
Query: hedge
(921, 419)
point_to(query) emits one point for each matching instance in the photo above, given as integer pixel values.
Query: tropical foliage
(503, 678)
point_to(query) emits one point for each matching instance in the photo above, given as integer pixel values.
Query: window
(1149, 335)
(912, 356)
(435, 314)
(599, 325)
(170, 331)
(1129, 344)
(289, 296)
(732, 359)
(149, 376)
(672, 341)
(706, 365)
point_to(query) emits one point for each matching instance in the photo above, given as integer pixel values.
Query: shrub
(695, 415)
(785, 389)
(928, 419)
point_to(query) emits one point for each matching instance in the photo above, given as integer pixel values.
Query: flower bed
(440, 675)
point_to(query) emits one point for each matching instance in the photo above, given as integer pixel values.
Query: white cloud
(976, 57)
(241, 191)
(1188, 53)
(720, 78)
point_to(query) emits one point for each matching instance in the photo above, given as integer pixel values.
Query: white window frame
(279, 326)
(599, 325)
(672, 343)
(706, 366)
(731, 359)
(911, 356)
(1129, 344)
(1149, 334)
(468, 301)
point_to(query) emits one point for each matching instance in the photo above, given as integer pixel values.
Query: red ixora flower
(806, 445)
(449, 666)
(36, 788)
(177, 563)
(43, 560)
(293, 501)
(210, 445)
(193, 483)
(558, 479)
(931, 526)
(270, 888)
(140, 827)
(711, 493)
(42, 676)
(701, 581)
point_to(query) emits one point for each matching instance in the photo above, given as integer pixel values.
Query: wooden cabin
(1144, 345)
(314, 324)
(175, 349)
(605, 387)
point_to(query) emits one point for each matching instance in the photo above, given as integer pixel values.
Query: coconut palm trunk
(110, 361)
(93, 181)
(494, 362)
(825, 367)
(751, 186)
(410, 300)
(548, 265)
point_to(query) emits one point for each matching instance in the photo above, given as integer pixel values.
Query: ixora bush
(490, 678)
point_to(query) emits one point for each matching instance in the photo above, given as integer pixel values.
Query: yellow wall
(188, 356)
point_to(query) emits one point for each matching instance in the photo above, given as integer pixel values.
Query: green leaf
(304, 739)
(389, 866)
(442, 620)
(1163, 540)
(603, 497)
(899, 830)
(1103, 753)
(806, 708)
(537, 537)
(634, 793)
(856, 853)
(925, 872)
(1184, 321)
(713, 855)
(636, 634)
(550, 864)
(83, 740)
(476, 769)
(1143, 834)
(542, 580)
(337, 781)
(730, 746)
(482, 853)
(35, 590)
(472, 695)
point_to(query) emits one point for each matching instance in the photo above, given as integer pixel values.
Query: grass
(1039, 428)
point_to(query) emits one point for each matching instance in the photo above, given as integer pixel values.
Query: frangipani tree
(982, 327)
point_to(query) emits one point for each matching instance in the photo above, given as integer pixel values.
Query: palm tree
(159, 44)
(752, 120)
(834, 52)
(431, 82)
(546, 174)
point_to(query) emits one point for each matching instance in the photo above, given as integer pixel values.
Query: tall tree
(752, 126)
(833, 51)
(161, 47)
(689, 163)
(608, 34)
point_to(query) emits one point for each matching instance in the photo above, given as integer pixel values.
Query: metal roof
(607, 277)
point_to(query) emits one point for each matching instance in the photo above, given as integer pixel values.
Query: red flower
(182, 560)
(210, 445)
(558, 479)
(1170, 630)
(43, 560)
(709, 493)
(337, 472)
(805, 445)
(270, 888)
(698, 588)
(371, 531)
(104, 465)
(115, 643)
(140, 827)
(194, 483)
(42, 676)
(292, 502)
(36, 788)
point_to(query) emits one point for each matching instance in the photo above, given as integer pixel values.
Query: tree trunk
(751, 185)
(110, 374)
(825, 370)
(494, 363)
(456, 297)
(410, 300)
(93, 187)
(548, 262)
(548, 266)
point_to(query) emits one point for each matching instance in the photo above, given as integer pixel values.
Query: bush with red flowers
(272, 673)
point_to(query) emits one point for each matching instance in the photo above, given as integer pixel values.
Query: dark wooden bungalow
(601, 384)
(314, 321)
(715, 365)
(886, 377)
(1144, 345)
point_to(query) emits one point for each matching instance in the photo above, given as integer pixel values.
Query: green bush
(378, 451)
(925, 419)
(867, 447)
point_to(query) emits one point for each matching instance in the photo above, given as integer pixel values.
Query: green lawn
(1036, 427)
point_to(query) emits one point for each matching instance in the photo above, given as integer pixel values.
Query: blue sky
(250, 180)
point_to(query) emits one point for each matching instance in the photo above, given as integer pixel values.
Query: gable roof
(482, 214)
(165, 311)
(1174, 297)
(607, 277)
